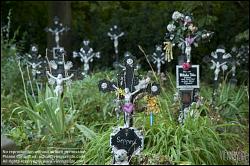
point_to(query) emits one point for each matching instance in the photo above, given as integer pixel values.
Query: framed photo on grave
(129, 139)
(57, 51)
(187, 79)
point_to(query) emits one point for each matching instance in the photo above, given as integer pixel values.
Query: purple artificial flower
(128, 107)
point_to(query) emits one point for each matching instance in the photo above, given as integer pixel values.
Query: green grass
(88, 119)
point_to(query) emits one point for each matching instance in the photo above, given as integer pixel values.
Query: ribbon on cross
(168, 51)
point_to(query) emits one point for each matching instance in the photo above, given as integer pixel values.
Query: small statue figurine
(120, 157)
(114, 34)
(128, 106)
(59, 82)
(57, 30)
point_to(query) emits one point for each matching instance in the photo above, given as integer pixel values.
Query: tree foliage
(144, 23)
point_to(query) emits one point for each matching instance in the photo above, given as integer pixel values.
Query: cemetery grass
(86, 118)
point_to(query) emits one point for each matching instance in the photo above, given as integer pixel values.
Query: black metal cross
(129, 86)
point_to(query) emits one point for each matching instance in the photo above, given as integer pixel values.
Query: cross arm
(75, 54)
(51, 75)
(64, 79)
(153, 89)
(106, 86)
(39, 63)
(110, 35)
(121, 34)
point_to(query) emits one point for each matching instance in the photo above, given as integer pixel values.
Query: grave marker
(86, 55)
(57, 29)
(34, 61)
(114, 34)
(158, 58)
(183, 33)
(127, 141)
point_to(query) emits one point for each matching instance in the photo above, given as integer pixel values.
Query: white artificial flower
(51, 81)
(177, 15)
(69, 82)
(224, 67)
(171, 38)
(171, 27)
(187, 19)
(68, 65)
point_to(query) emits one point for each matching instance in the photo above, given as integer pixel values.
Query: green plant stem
(31, 86)
(148, 62)
(25, 91)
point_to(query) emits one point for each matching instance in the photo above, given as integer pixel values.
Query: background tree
(144, 23)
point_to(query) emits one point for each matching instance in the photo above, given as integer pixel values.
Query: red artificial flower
(186, 66)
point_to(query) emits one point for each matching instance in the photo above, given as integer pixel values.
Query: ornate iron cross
(86, 55)
(183, 33)
(158, 58)
(129, 86)
(34, 61)
(220, 61)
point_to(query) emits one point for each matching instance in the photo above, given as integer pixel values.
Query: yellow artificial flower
(120, 92)
(168, 51)
(152, 105)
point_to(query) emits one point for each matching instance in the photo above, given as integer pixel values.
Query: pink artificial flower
(186, 66)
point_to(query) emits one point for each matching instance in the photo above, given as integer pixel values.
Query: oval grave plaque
(129, 139)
